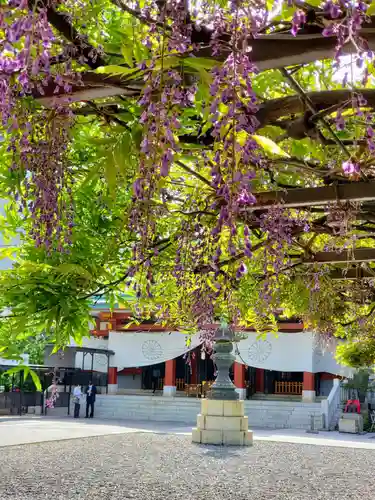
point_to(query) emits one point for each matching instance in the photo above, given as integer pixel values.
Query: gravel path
(166, 467)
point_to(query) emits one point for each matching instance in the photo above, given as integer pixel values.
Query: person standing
(155, 379)
(90, 399)
(77, 395)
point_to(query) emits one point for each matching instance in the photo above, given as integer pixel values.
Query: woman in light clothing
(77, 394)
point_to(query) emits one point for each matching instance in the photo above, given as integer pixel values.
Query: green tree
(151, 159)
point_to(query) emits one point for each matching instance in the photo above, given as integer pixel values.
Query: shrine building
(133, 359)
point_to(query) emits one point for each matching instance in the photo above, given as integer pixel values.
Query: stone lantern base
(223, 423)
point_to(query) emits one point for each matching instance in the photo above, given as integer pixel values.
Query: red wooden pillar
(308, 392)
(308, 381)
(239, 375)
(169, 388)
(194, 367)
(112, 379)
(259, 380)
(239, 379)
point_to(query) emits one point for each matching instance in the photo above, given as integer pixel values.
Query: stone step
(153, 409)
(254, 411)
(273, 416)
(281, 397)
(155, 400)
(281, 404)
(148, 403)
(138, 412)
(265, 409)
(274, 413)
(181, 400)
(150, 410)
(178, 408)
(261, 413)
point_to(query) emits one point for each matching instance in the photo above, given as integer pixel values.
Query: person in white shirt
(77, 394)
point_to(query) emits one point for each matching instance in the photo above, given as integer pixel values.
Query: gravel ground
(165, 467)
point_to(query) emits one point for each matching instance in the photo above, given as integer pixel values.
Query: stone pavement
(27, 429)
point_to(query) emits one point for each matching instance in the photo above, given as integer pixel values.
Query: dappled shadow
(220, 452)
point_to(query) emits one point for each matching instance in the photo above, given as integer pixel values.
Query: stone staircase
(153, 408)
(283, 414)
(281, 397)
(261, 413)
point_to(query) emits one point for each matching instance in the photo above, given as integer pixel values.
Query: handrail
(330, 405)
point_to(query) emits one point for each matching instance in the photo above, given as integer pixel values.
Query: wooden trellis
(276, 50)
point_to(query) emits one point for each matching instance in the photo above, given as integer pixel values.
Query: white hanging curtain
(289, 352)
(144, 349)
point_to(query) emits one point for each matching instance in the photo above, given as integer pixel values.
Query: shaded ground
(148, 466)
(27, 429)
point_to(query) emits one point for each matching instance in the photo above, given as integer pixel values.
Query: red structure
(260, 381)
(170, 373)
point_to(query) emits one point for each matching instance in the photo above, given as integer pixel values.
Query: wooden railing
(198, 390)
(288, 387)
(190, 389)
(206, 387)
(180, 384)
(193, 390)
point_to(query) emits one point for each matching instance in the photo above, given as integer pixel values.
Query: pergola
(302, 114)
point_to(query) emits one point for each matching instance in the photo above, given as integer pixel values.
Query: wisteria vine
(215, 242)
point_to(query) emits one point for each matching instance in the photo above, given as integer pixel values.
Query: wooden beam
(62, 23)
(357, 255)
(81, 94)
(268, 51)
(308, 197)
(276, 50)
(90, 87)
(273, 109)
(352, 274)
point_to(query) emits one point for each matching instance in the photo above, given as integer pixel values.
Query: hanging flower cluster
(280, 225)
(162, 97)
(347, 20)
(49, 183)
(236, 157)
(219, 247)
(38, 141)
(233, 109)
(350, 168)
(24, 56)
(299, 19)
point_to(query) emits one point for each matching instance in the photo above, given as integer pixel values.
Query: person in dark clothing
(155, 379)
(90, 399)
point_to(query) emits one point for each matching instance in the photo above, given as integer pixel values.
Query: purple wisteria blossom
(351, 168)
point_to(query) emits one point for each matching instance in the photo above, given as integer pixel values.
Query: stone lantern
(223, 388)
(222, 419)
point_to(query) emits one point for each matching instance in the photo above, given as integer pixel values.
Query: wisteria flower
(351, 168)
